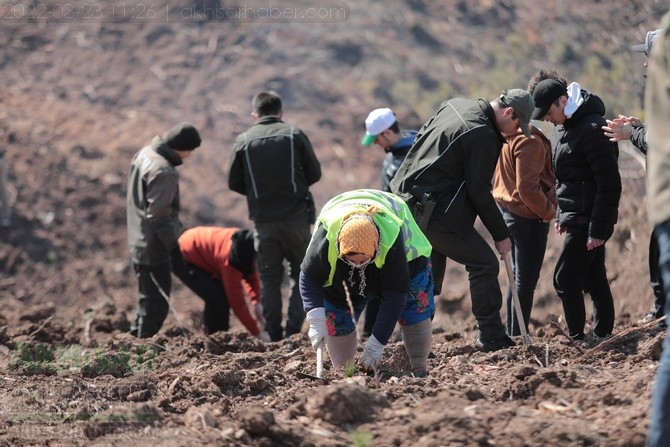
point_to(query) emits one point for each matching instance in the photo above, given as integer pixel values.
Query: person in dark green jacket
(152, 215)
(453, 159)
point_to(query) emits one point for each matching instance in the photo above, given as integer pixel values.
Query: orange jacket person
(221, 269)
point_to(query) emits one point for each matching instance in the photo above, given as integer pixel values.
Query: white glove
(258, 313)
(372, 354)
(317, 325)
(264, 337)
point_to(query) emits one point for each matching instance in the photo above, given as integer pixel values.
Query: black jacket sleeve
(639, 138)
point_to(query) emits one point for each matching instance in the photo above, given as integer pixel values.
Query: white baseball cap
(377, 122)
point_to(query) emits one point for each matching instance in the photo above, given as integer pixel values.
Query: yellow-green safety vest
(393, 216)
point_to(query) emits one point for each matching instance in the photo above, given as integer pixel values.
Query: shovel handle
(515, 297)
(319, 360)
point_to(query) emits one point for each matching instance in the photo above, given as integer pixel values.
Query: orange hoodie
(524, 181)
(209, 249)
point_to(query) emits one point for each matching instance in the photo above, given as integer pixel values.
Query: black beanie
(183, 137)
(242, 253)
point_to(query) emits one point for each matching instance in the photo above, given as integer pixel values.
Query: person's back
(221, 270)
(455, 118)
(451, 164)
(273, 164)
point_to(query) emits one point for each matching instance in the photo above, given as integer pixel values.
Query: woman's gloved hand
(372, 354)
(317, 325)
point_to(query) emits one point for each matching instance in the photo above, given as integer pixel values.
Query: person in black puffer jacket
(588, 187)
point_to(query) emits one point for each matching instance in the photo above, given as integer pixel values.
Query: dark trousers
(659, 423)
(579, 270)
(216, 316)
(482, 266)
(529, 240)
(656, 278)
(277, 241)
(152, 306)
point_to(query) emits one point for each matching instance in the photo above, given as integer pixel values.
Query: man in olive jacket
(273, 164)
(453, 159)
(152, 214)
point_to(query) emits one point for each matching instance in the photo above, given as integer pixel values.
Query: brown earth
(78, 99)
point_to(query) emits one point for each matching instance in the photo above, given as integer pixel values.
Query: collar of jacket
(592, 105)
(404, 143)
(269, 119)
(169, 154)
(490, 114)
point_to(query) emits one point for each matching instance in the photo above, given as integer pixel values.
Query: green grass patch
(44, 359)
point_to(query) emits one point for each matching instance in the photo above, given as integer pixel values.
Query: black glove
(178, 263)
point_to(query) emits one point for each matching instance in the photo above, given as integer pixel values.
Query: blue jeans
(659, 426)
(529, 239)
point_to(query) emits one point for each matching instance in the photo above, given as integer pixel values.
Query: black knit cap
(183, 137)
(242, 253)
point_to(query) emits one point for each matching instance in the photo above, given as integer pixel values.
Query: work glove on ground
(178, 262)
(317, 325)
(372, 354)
